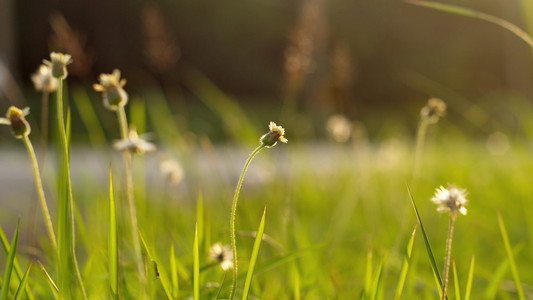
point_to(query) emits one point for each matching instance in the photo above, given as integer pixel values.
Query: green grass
(340, 220)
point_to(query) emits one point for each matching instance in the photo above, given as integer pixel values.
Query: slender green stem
(40, 191)
(128, 159)
(448, 256)
(232, 219)
(420, 141)
(44, 124)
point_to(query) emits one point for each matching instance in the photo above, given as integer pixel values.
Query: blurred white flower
(43, 79)
(223, 255)
(452, 199)
(339, 128)
(172, 170)
(58, 64)
(134, 143)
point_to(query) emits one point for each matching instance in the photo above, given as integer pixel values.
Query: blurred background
(298, 62)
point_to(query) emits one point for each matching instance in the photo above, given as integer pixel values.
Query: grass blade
(467, 12)
(468, 290)
(405, 265)
(88, 115)
(18, 270)
(22, 284)
(510, 258)
(53, 285)
(157, 274)
(377, 281)
(426, 241)
(113, 240)
(174, 273)
(456, 282)
(253, 258)
(6, 279)
(196, 265)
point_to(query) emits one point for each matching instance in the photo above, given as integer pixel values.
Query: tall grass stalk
(40, 192)
(128, 160)
(447, 258)
(232, 218)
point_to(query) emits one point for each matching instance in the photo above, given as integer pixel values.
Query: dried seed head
(434, 109)
(15, 118)
(43, 79)
(58, 64)
(275, 134)
(223, 255)
(452, 199)
(112, 90)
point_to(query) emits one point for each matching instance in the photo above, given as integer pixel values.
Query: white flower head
(16, 119)
(172, 170)
(134, 143)
(433, 111)
(223, 255)
(43, 80)
(452, 199)
(112, 89)
(58, 64)
(271, 138)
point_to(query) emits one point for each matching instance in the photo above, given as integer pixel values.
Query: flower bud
(17, 121)
(434, 109)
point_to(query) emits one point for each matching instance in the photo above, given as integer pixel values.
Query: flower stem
(40, 191)
(232, 219)
(420, 141)
(128, 159)
(448, 256)
(44, 124)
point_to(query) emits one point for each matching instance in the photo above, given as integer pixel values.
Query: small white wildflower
(15, 118)
(43, 79)
(276, 133)
(58, 64)
(434, 109)
(112, 89)
(172, 170)
(223, 255)
(134, 143)
(339, 128)
(452, 199)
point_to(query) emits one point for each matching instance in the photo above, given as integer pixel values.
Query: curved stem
(232, 219)
(448, 256)
(40, 191)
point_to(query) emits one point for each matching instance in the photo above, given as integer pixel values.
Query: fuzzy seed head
(223, 255)
(276, 133)
(433, 111)
(112, 89)
(43, 79)
(58, 64)
(452, 199)
(15, 118)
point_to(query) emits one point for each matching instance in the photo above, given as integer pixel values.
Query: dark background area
(395, 55)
